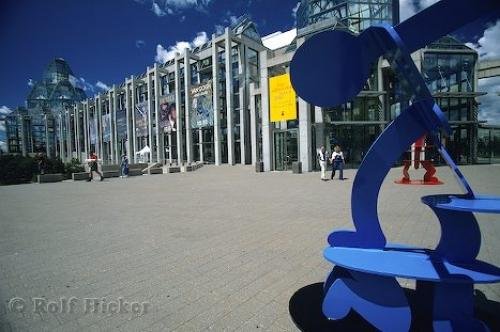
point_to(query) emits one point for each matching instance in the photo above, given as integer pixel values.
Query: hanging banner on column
(202, 111)
(141, 119)
(283, 104)
(93, 130)
(121, 124)
(106, 127)
(168, 113)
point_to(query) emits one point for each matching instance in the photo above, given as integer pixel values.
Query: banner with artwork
(168, 113)
(141, 119)
(93, 130)
(121, 124)
(202, 111)
(106, 127)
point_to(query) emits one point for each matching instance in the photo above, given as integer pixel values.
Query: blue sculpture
(331, 68)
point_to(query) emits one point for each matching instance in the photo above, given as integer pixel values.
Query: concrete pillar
(169, 138)
(113, 99)
(97, 116)
(61, 136)
(253, 125)
(128, 115)
(305, 135)
(179, 112)
(229, 97)
(69, 134)
(76, 119)
(86, 128)
(267, 150)
(160, 147)
(242, 69)
(187, 106)
(216, 105)
(320, 129)
(132, 113)
(47, 138)
(151, 108)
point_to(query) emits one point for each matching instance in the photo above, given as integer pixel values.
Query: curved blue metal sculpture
(329, 69)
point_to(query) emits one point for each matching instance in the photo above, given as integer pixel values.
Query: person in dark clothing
(93, 167)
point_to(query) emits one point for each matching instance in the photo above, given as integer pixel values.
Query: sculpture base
(305, 311)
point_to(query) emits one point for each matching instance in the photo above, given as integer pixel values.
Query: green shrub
(54, 166)
(16, 169)
(73, 166)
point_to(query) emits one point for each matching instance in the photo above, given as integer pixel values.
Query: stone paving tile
(221, 249)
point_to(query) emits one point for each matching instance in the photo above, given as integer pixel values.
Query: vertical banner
(283, 104)
(93, 130)
(106, 127)
(202, 111)
(168, 113)
(121, 124)
(141, 119)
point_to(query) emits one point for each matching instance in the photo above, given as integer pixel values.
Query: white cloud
(165, 54)
(200, 39)
(2, 127)
(102, 86)
(294, 10)
(30, 82)
(488, 46)
(408, 8)
(170, 7)
(84, 85)
(5, 110)
(3, 146)
(219, 29)
(179, 5)
(489, 108)
(157, 10)
(139, 43)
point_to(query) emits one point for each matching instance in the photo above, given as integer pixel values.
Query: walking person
(338, 162)
(93, 167)
(124, 167)
(323, 162)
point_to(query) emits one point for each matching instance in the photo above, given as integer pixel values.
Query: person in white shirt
(323, 162)
(338, 162)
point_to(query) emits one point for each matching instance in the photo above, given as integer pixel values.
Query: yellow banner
(282, 98)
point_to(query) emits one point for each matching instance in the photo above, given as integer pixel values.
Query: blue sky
(106, 41)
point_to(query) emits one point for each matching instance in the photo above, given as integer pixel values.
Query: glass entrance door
(285, 149)
(279, 151)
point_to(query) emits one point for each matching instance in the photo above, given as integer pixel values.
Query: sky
(106, 41)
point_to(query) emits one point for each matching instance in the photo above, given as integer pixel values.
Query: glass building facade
(211, 104)
(43, 125)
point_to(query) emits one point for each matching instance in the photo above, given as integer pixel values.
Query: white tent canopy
(145, 150)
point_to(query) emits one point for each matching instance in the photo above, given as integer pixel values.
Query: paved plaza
(222, 248)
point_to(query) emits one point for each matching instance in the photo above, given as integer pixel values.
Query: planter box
(80, 176)
(134, 172)
(173, 169)
(156, 170)
(111, 174)
(110, 168)
(47, 178)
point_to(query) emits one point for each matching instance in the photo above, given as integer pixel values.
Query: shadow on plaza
(305, 311)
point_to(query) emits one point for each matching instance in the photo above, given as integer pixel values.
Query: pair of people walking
(336, 159)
